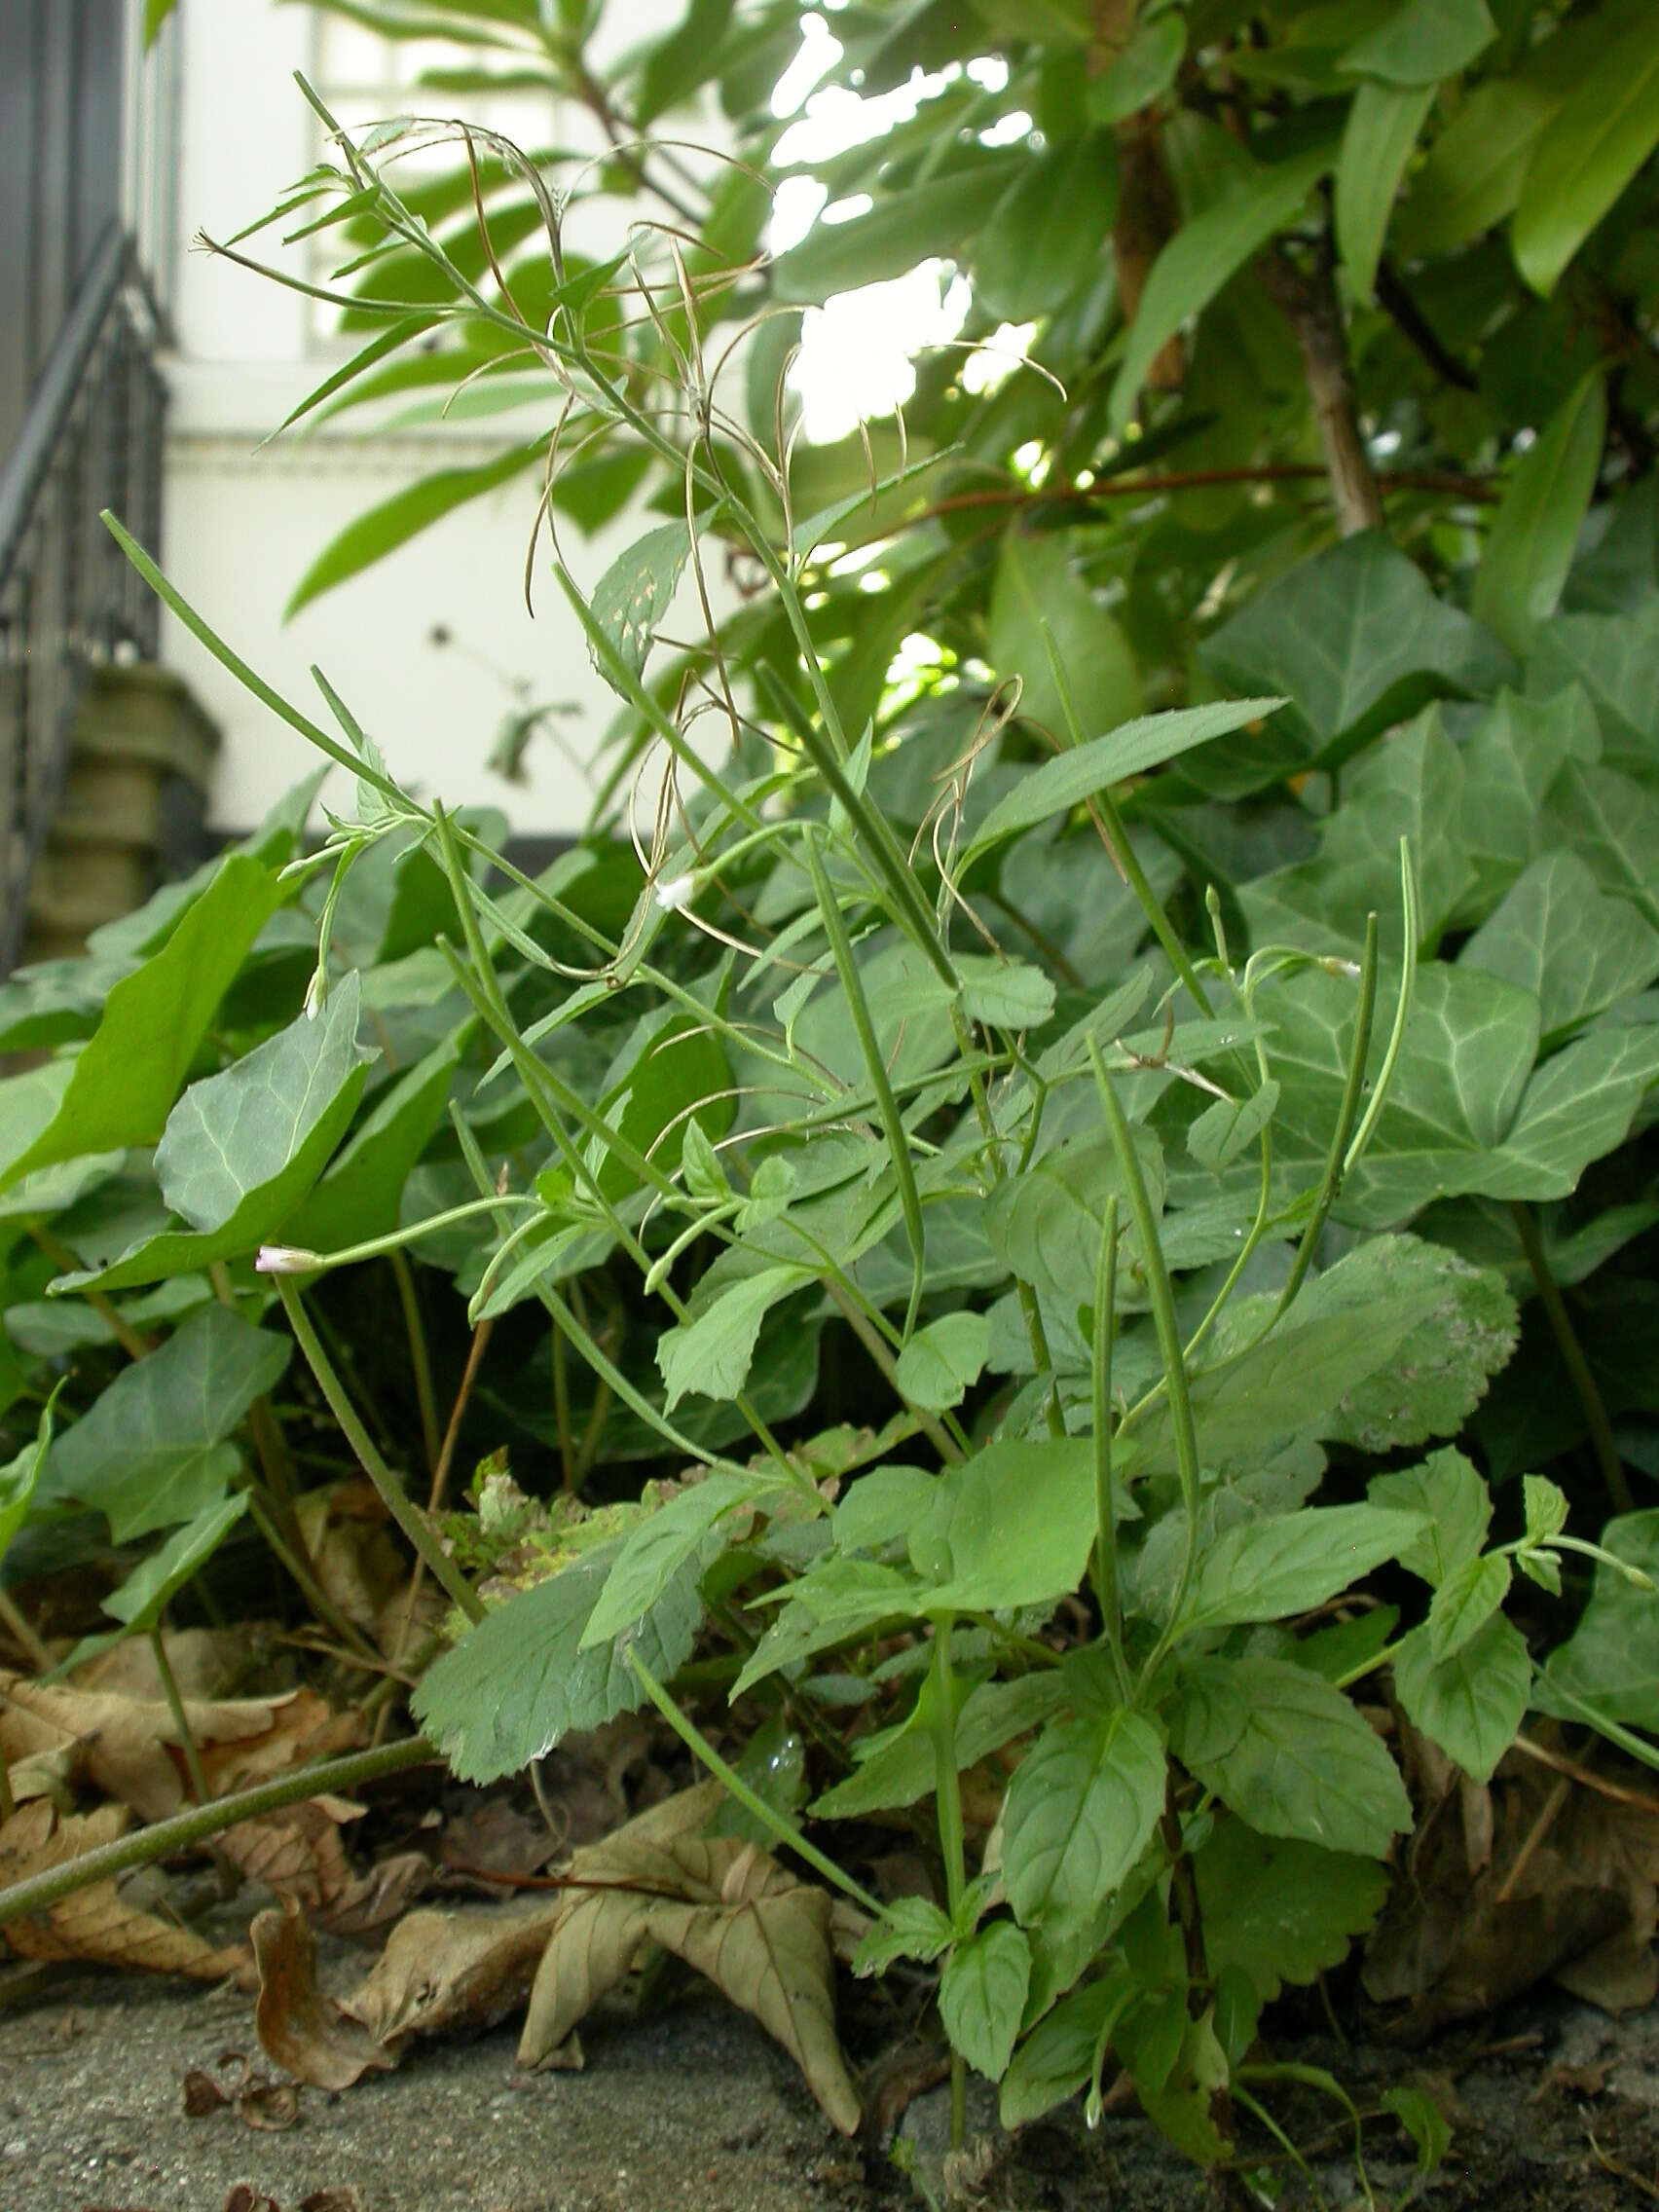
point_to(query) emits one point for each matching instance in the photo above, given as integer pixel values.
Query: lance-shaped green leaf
(1423, 41)
(1131, 749)
(1451, 1496)
(1381, 129)
(18, 1477)
(150, 1588)
(120, 1088)
(1080, 1809)
(1038, 582)
(1204, 254)
(981, 1996)
(1589, 153)
(154, 1449)
(1057, 2057)
(1528, 548)
(520, 1680)
(635, 592)
(840, 1600)
(1465, 1602)
(1289, 1754)
(371, 537)
(241, 1148)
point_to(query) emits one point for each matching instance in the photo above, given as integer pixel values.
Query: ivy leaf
(520, 1680)
(1289, 1754)
(1471, 1704)
(1465, 1602)
(1280, 1909)
(1263, 1571)
(981, 1996)
(1577, 1108)
(635, 592)
(1560, 937)
(1357, 641)
(1081, 1810)
(118, 1090)
(942, 1362)
(154, 1449)
(358, 1196)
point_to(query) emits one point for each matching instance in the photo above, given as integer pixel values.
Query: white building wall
(244, 520)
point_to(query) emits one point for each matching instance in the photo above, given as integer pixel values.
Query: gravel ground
(695, 2111)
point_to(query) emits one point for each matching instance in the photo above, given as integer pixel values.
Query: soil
(695, 2111)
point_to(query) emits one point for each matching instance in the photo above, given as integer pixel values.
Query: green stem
(144, 1846)
(180, 1718)
(892, 1122)
(772, 1820)
(310, 1589)
(1116, 838)
(1335, 1159)
(1105, 1506)
(1591, 1403)
(1168, 1325)
(392, 1494)
(947, 1799)
(418, 1358)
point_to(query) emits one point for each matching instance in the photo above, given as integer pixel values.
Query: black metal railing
(69, 601)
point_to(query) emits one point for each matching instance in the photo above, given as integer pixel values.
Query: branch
(1414, 326)
(1308, 298)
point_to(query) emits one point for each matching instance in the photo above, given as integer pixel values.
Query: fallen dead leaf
(354, 1556)
(332, 2200)
(719, 1903)
(242, 2199)
(97, 1924)
(207, 1662)
(130, 1749)
(1501, 1887)
(372, 1901)
(307, 2033)
(270, 2106)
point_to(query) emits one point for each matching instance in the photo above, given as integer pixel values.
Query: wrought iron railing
(69, 601)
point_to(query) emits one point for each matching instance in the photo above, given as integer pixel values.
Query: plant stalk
(947, 1799)
(142, 1847)
(1591, 1404)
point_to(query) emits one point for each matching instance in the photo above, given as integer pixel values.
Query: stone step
(132, 806)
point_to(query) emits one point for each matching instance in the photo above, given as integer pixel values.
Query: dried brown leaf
(354, 1556)
(207, 1662)
(130, 1749)
(307, 2033)
(455, 1969)
(296, 1852)
(372, 1901)
(1533, 1876)
(719, 1903)
(97, 1924)
(268, 2106)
